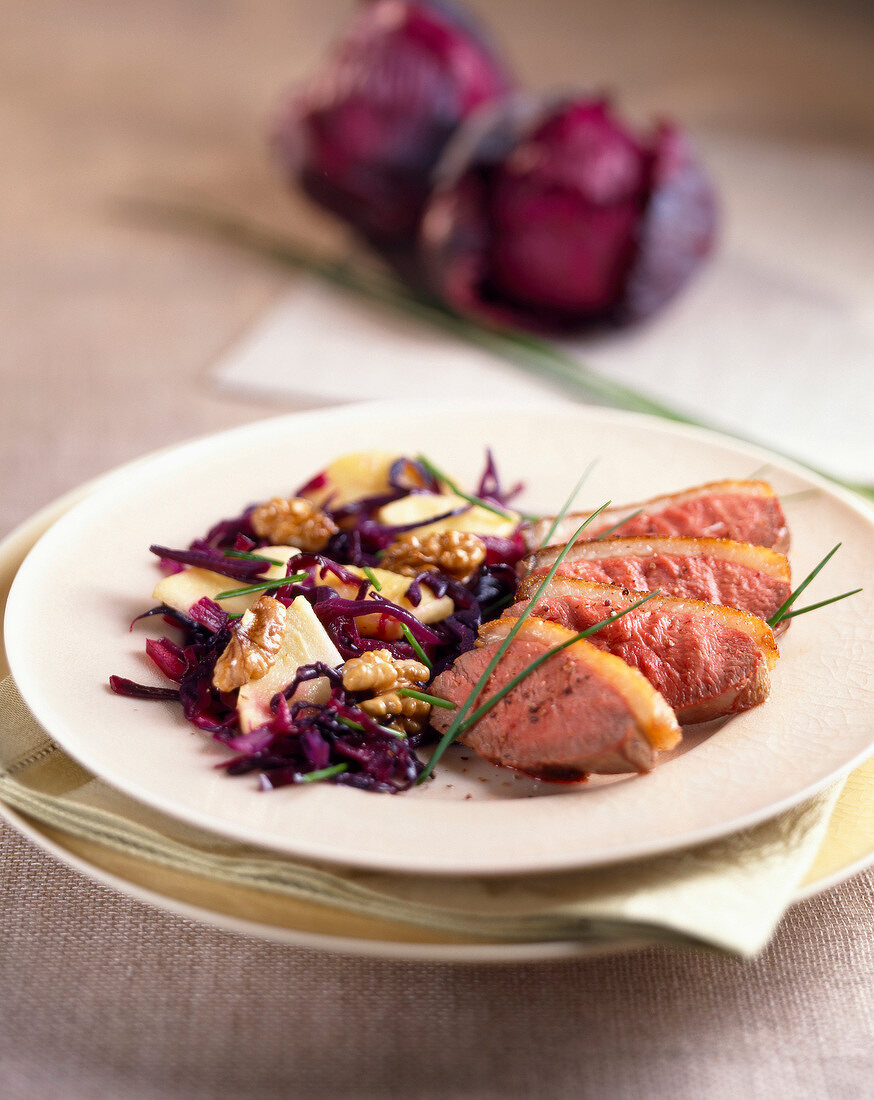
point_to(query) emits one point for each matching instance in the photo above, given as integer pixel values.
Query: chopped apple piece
(352, 476)
(419, 508)
(181, 591)
(304, 642)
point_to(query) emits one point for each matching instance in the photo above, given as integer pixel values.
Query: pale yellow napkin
(729, 894)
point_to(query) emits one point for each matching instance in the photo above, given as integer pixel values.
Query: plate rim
(355, 412)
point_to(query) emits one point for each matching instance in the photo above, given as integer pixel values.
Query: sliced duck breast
(736, 574)
(582, 711)
(706, 660)
(746, 511)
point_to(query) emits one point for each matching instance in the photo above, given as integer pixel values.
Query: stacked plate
(90, 574)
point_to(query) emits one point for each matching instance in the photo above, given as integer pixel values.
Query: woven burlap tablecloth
(109, 330)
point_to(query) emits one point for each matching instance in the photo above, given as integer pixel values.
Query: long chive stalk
(245, 555)
(434, 700)
(357, 726)
(780, 613)
(532, 353)
(372, 577)
(417, 648)
(454, 729)
(263, 586)
(607, 532)
(568, 504)
(822, 603)
(469, 497)
(324, 773)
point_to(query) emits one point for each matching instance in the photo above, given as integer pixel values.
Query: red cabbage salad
(304, 632)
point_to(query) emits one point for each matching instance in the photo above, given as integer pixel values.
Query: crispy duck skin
(708, 661)
(746, 511)
(582, 711)
(736, 574)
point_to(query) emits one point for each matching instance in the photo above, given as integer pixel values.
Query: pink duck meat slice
(736, 574)
(706, 660)
(582, 711)
(746, 511)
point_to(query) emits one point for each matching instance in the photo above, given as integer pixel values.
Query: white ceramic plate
(288, 924)
(66, 632)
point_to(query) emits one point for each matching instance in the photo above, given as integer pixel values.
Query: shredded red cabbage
(363, 537)
(122, 686)
(504, 551)
(201, 703)
(168, 657)
(318, 481)
(225, 534)
(206, 612)
(206, 557)
(304, 737)
(310, 563)
(407, 475)
(490, 484)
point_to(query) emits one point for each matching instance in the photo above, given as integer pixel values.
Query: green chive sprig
(822, 603)
(781, 612)
(434, 700)
(246, 555)
(455, 728)
(357, 726)
(615, 527)
(262, 586)
(372, 577)
(566, 507)
(324, 773)
(459, 492)
(420, 653)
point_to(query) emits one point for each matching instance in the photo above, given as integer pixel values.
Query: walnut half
(458, 554)
(295, 522)
(381, 674)
(251, 651)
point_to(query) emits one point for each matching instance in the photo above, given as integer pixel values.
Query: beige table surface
(108, 332)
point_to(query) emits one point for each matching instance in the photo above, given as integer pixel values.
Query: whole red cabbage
(363, 135)
(554, 214)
